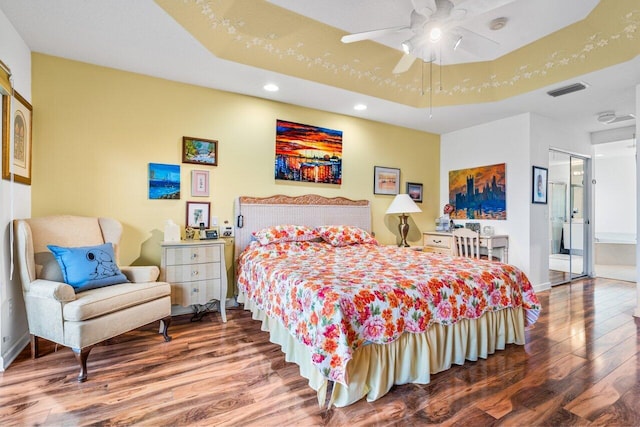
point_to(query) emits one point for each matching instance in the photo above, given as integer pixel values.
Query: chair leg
(81, 356)
(35, 347)
(164, 325)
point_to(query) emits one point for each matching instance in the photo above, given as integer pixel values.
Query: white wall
(615, 195)
(521, 142)
(502, 141)
(16, 203)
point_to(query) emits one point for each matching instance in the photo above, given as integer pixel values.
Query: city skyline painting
(479, 193)
(308, 153)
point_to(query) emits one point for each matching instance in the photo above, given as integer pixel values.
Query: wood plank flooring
(580, 367)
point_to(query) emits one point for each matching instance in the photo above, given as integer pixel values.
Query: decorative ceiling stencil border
(289, 43)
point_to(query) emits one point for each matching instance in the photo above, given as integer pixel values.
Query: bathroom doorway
(614, 172)
(568, 221)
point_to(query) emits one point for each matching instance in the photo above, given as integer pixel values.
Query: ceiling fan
(434, 25)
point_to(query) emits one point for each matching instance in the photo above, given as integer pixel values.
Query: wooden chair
(466, 243)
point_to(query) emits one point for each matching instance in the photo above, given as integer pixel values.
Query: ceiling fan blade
(404, 64)
(368, 35)
(472, 42)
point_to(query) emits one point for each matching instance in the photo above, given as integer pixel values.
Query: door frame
(587, 256)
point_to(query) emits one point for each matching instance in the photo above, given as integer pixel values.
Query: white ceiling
(138, 36)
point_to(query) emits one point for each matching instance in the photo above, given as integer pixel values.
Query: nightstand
(197, 272)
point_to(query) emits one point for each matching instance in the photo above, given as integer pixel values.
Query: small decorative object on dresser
(197, 272)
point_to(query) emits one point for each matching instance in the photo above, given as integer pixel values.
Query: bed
(358, 317)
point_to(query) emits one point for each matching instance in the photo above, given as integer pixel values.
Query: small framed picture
(164, 181)
(199, 151)
(414, 190)
(198, 213)
(386, 180)
(200, 183)
(539, 185)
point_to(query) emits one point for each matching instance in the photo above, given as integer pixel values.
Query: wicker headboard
(309, 210)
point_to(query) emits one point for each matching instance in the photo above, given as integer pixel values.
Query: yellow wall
(95, 131)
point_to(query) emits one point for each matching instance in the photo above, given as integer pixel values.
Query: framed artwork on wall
(308, 153)
(539, 185)
(386, 180)
(198, 213)
(199, 183)
(479, 192)
(199, 151)
(16, 138)
(414, 190)
(164, 181)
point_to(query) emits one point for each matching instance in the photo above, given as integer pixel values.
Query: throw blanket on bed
(336, 299)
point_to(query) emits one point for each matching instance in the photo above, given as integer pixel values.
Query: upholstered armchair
(52, 252)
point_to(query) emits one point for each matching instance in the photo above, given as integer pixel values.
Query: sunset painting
(308, 153)
(479, 193)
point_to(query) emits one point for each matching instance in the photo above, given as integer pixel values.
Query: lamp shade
(403, 204)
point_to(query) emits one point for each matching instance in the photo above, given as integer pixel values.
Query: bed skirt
(412, 358)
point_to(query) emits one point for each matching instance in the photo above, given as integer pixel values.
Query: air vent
(567, 89)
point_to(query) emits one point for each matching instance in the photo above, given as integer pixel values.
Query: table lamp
(403, 205)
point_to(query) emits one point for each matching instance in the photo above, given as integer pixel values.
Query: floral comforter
(336, 299)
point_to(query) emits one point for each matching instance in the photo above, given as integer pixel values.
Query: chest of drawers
(441, 243)
(197, 272)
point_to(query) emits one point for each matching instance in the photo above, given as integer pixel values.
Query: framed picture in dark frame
(414, 190)
(539, 185)
(198, 213)
(199, 151)
(386, 180)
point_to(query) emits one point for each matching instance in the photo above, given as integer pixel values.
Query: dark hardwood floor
(580, 367)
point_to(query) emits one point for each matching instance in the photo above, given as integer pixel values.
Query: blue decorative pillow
(88, 267)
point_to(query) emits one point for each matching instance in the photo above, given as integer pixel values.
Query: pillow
(285, 233)
(344, 235)
(88, 267)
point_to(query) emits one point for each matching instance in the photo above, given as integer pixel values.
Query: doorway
(568, 221)
(614, 228)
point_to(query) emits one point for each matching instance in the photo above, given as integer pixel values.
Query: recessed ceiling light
(359, 107)
(498, 23)
(270, 87)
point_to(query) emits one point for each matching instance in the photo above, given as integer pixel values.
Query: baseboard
(14, 351)
(542, 287)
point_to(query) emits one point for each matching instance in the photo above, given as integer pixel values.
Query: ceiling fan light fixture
(435, 34)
